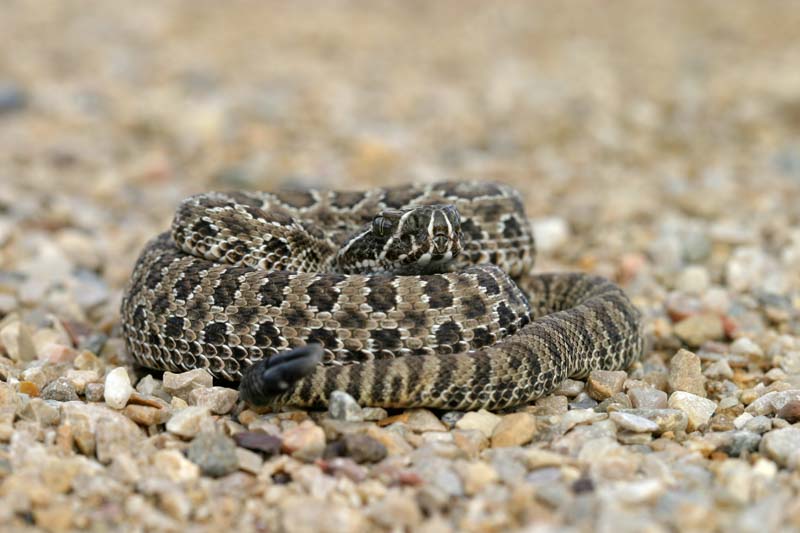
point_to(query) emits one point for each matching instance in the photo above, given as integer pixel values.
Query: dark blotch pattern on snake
(405, 296)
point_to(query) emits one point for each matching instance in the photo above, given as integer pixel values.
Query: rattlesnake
(418, 295)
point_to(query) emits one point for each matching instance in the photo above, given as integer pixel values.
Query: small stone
(647, 398)
(60, 390)
(218, 400)
(772, 402)
(758, 424)
(569, 388)
(342, 406)
(57, 516)
(45, 413)
(305, 441)
(550, 233)
(471, 441)
(174, 466)
(359, 447)
(187, 422)
(671, 420)
(248, 461)
(719, 370)
(397, 512)
(373, 414)
(603, 384)
(552, 405)
(482, 420)
(782, 446)
(475, 476)
(581, 401)
(514, 430)
(698, 329)
(694, 279)
(94, 392)
(697, 409)
(394, 443)
(259, 441)
(81, 378)
(29, 388)
(685, 374)
(99, 430)
(633, 423)
(182, 384)
(118, 388)
(745, 346)
(214, 453)
(12, 98)
(790, 411)
(422, 420)
(741, 420)
(737, 443)
(146, 415)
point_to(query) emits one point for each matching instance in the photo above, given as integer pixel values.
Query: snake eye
(381, 225)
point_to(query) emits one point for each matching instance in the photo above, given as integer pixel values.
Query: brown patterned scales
(410, 296)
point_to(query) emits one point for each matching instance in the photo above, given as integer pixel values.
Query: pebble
(647, 398)
(697, 409)
(550, 233)
(513, 430)
(94, 392)
(685, 374)
(552, 405)
(569, 388)
(736, 443)
(60, 390)
(305, 442)
(782, 446)
(174, 466)
(359, 447)
(259, 441)
(693, 279)
(790, 411)
(745, 346)
(482, 420)
(398, 511)
(118, 389)
(394, 443)
(421, 420)
(99, 430)
(698, 329)
(342, 406)
(475, 476)
(759, 424)
(214, 453)
(718, 370)
(218, 400)
(146, 415)
(773, 402)
(182, 384)
(603, 384)
(187, 422)
(248, 461)
(12, 97)
(634, 423)
(672, 420)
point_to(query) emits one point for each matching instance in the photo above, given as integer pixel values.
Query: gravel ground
(655, 143)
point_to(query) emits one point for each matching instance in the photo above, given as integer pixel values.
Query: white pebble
(550, 233)
(118, 388)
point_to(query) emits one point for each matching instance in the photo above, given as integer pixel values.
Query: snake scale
(418, 295)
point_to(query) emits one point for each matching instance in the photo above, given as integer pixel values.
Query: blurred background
(655, 133)
(656, 143)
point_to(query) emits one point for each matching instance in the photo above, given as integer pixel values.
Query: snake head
(416, 240)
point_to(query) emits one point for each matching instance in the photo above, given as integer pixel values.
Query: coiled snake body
(409, 296)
